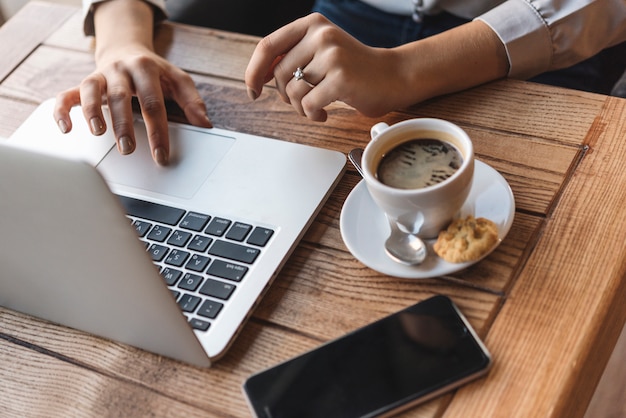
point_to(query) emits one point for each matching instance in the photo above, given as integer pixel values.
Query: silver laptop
(168, 259)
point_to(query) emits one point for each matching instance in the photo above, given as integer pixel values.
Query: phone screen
(398, 361)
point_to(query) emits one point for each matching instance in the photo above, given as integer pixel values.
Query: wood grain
(25, 31)
(559, 306)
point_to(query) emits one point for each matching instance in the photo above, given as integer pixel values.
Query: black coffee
(419, 163)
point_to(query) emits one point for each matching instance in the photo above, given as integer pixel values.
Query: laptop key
(151, 211)
(260, 236)
(142, 227)
(199, 324)
(197, 263)
(218, 226)
(226, 270)
(159, 233)
(177, 258)
(188, 303)
(179, 238)
(157, 252)
(195, 221)
(190, 282)
(210, 309)
(200, 243)
(239, 231)
(236, 252)
(171, 276)
(217, 289)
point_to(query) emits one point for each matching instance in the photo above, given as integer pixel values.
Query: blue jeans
(376, 28)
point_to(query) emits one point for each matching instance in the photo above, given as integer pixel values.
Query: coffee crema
(419, 163)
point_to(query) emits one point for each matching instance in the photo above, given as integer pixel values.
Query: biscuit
(466, 239)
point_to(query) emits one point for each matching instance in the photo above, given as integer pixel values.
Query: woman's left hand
(335, 67)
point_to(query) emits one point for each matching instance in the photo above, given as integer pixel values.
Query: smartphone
(381, 369)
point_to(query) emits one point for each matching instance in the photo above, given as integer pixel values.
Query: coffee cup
(419, 172)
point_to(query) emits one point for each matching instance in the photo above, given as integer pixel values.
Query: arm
(127, 65)
(89, 7)
(372, 80)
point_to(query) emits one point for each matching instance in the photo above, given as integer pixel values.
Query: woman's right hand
(127, 66)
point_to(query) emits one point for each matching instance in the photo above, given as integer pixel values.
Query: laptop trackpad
(194, 154)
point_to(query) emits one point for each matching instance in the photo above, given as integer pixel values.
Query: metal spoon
(401, 246)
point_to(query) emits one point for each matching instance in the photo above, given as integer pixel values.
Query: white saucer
(364, 227)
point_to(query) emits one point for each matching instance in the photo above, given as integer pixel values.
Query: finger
(151, 100)
(252, 94)
(281, 81)
(91, 90)
(299, 86)
(119, 98)
(314, 102)
(299, 57)
(268, 51)
(63, 104)
(270, 72)
(186, 95)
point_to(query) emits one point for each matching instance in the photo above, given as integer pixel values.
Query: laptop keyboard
(203, 259)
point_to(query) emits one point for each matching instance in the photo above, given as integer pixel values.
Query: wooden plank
(70, 35)
(315, 281)
(569, 294)
(45, 73)
(524, 108)
(31, 386)
(13, 114)
(205, 51)
(26, 30)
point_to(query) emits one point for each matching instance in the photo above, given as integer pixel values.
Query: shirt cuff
(525, 36)
(160, 14)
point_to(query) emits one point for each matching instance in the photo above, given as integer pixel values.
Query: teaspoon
(401, 246)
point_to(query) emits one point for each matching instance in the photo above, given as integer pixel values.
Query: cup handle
(377, 129)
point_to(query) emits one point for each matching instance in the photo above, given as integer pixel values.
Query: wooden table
(549, 302)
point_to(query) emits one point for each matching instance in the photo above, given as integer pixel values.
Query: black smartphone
(383, 368)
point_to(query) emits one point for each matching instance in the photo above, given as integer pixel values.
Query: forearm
(457, 59)
(123, 24)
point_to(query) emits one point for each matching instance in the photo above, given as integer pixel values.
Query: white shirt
(539, 35)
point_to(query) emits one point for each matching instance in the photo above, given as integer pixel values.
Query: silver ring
(299, 76)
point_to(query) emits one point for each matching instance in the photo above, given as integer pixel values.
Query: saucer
(364, 226)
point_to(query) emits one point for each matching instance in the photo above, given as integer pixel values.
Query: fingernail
(253, 95)
(202, 114)
(160, 156)
(126, 145)
(63, 126)
(97, 127)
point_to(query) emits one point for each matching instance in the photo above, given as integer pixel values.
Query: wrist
(123, 25)
(454, 60)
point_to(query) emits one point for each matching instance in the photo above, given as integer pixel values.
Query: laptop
(171, 259)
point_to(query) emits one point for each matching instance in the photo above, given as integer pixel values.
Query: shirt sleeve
(88, 24)
(545, 35)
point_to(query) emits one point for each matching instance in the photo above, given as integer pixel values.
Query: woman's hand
(335, 65)
(127, 66)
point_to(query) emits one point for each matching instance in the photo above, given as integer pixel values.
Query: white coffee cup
(427, 210)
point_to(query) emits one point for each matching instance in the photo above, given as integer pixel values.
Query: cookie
(466, 239)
